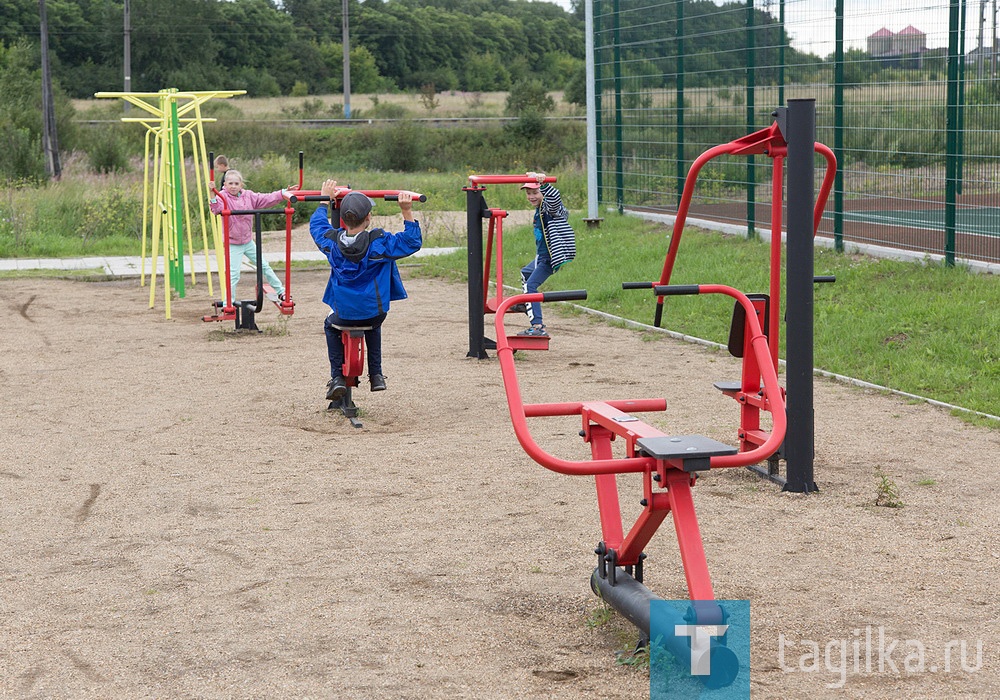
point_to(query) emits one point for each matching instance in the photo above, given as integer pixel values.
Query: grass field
(921, 329)
(449, 104)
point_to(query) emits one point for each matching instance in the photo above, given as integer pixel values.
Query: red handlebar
(387, 195)
(505, 179)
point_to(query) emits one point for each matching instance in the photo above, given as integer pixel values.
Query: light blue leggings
(236, 254)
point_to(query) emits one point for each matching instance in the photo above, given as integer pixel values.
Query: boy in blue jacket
(364, 277)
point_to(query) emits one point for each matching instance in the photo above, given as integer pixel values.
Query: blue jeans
(236, 253)
(532, 276)
(335, 343)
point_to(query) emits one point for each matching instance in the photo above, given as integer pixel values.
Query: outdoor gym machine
(791, 136)
(243, 312)
(669, 465)
(480, 303)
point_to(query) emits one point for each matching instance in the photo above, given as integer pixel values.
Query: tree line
(294, 47)
(272, 49)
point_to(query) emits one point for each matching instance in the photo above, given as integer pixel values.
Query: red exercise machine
(774, 143)
(480, 302)
(243, 312)
(669, 464)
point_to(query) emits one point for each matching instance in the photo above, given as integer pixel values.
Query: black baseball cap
(354, 207)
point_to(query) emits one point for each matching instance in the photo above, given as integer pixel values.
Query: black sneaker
(377, 382)
(336, 388)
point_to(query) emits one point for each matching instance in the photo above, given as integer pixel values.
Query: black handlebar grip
(567, 295)
(395, 198)
(636, 285)
(300, 159)
(308, 198)
(818, 279)
(668, 290)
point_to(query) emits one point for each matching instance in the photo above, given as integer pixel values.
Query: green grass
(90, 215)
(929, 330)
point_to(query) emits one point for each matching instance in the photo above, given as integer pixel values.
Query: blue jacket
(364, 277)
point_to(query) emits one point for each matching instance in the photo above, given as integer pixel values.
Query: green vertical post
(951, 135)
(781, 53)
(959, 174)
(679, 154)
(178, 204)
(751, 89)
(838, 127)
(619, 157)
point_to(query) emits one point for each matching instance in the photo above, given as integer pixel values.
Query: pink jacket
(241, 226)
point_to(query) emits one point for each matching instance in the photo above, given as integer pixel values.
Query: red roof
(911, 30)
(881, 32)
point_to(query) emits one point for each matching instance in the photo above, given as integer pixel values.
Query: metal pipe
(632, 600)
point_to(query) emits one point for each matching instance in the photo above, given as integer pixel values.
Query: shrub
(529, 96)
(107, 151)
(20, 155)
(400, 147)
(116, 212)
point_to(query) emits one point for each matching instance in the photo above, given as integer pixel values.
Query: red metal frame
(495, 233)
(495, 228)
(286, 305)
(666, 485)
(769, 142)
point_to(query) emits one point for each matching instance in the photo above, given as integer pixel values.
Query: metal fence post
(751, 85)
(951, 135)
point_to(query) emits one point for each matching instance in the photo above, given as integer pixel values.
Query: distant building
(880, 43)
(909, 41)
(887, 44)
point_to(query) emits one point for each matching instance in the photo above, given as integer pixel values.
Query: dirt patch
(183, 518)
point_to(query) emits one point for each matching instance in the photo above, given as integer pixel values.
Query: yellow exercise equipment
(174, 115)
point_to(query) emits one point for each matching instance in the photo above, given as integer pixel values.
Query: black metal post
(474, 205)
(799, 439)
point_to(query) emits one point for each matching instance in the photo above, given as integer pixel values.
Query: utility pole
(128, 52)
(981, 47)
(347, 65)
(50, 142)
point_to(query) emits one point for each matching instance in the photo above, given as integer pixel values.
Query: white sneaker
(272, 296)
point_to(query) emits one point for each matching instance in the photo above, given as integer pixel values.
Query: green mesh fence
(907, 96)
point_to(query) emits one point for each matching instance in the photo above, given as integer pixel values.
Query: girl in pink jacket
(241, 235)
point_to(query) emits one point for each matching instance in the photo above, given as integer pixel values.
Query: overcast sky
(810, 23)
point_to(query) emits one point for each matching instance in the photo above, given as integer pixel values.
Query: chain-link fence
(907, 97)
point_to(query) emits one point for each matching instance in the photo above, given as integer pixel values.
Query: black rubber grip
(395, 197)
(567, 295)
(824, 279)
(308, 198)
(669, 290)
(636, 285)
